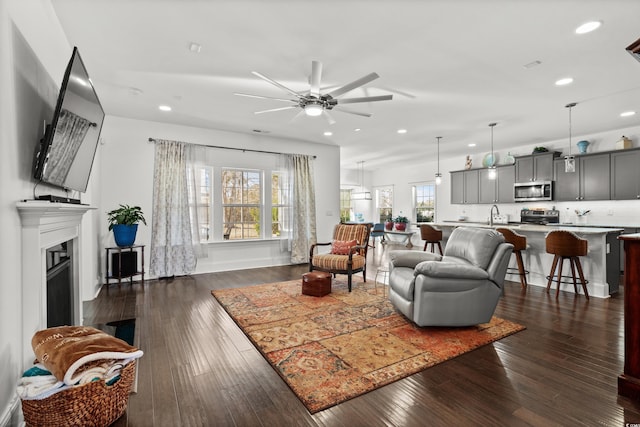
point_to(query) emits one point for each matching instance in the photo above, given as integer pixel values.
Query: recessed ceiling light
(328, 133)
(587, 27)
(356, 130)
(164, 108)
(627, 114)
(564, 81)
(472, 145)
(402, 131)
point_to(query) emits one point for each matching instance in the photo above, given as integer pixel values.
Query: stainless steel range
(540, 216)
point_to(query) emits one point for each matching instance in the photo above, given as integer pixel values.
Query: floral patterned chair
(348, 252)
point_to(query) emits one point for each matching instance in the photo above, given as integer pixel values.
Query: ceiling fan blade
(365, 99)
(316, 75)
(355, 84)
(328, 116)
(276, 109)
(248, 95)
(357, 113)
(275, 83)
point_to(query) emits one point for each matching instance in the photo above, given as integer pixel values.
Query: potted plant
(388, 224)
(401, 222)
(124, 223)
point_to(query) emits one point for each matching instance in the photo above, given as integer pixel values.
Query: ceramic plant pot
(125, 235)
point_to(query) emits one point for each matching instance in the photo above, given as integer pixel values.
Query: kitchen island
(601, 265)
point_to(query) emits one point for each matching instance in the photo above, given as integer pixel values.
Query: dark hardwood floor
(200, 370)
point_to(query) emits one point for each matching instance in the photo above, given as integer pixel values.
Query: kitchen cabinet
(625, 175)
(499, 190)
(535, 167)
(590, 181)
(464, 187)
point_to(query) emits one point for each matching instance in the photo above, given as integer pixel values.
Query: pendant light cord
(570, 106)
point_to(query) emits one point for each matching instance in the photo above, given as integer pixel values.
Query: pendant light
(492, 166)
(570, 160)
(362, 195)
(438, 174)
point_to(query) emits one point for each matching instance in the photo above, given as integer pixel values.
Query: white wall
(33, 57)
(127, 178)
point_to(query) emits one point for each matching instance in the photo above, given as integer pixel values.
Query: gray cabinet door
(487, 191)
(471, 186)
(567, 185)
(524, 169)
(594, 176)
(543, 167)
(457, 187)
(506, 179)
(625, 175)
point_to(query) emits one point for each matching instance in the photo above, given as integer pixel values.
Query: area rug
(333, 348)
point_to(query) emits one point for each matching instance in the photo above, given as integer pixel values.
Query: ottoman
(316, 283)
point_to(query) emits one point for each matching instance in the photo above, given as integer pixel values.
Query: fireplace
(60, 285)
(46, 226)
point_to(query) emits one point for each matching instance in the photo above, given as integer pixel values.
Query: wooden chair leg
(523, 275)
(440, 247)
(559, 277)
(425, 246)
(554, 264)
(572, 262)
(581, 273)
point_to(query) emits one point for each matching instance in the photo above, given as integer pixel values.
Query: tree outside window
(425, 202)
(280, 206)
(345, 205)
(241, 204)
(384, 203)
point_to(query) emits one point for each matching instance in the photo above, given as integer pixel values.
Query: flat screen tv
(66, 152)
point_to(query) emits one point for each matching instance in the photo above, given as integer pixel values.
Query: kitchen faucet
(491, 214)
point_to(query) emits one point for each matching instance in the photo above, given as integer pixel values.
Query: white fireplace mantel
(46, 224)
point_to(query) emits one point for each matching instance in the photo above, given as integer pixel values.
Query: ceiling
(452, 66)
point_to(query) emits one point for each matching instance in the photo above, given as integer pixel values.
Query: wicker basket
(92, 404)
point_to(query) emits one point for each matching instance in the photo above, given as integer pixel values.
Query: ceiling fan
(313, 103)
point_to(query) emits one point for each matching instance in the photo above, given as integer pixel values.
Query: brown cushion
(342, 247)
(337, 262)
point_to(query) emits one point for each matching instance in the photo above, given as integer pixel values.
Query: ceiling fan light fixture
(313, 110)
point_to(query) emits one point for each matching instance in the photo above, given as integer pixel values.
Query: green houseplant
(401, 222)
(124, 223)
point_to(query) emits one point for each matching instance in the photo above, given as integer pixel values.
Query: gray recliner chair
(460, 288)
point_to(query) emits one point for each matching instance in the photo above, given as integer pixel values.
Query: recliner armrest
(410, 259)
(452, 270)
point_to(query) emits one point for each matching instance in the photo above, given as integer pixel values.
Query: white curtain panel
(302, 196)
(172, 251)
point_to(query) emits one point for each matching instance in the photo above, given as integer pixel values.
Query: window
(280, 206)
(200, 199)
(241, 204)
(424, 202)
(384, 203)
(345, 205)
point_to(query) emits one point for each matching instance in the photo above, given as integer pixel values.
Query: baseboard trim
(9, 411)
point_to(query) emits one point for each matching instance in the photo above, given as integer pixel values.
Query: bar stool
(431, 235)
(566, 245)
(519, 243)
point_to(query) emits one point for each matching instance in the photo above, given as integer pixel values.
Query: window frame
(416, 202)
(379, 190)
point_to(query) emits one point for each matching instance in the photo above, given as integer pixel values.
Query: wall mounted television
(65, 155)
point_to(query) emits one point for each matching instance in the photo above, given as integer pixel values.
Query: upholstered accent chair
(460, 288)
(377, 231)
(348, 252)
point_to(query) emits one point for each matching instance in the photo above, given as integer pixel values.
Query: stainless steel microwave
(533, 191)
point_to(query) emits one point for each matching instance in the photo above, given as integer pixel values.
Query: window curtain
(69, 134)
(300, 224)
(172, 247)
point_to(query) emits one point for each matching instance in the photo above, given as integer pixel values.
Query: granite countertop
(533, 227)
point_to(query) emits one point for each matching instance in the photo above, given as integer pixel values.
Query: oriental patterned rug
(333, 348)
